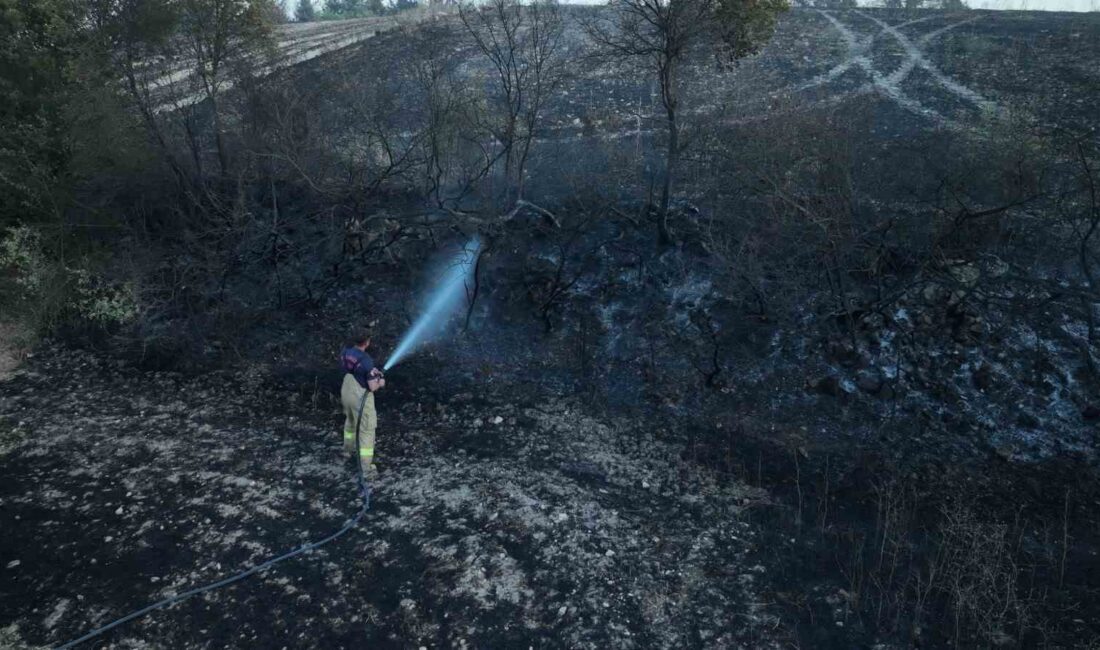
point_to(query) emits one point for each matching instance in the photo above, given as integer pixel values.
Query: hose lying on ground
(364, 491)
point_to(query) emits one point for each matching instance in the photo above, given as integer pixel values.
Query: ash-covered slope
(500, 520)
(924, 69)
(929, 69)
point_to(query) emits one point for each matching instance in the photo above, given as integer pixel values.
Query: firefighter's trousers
(351, 396)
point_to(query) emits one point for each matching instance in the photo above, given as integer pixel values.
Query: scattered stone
(13, 564)
(982, 377)
(584, 470)
(1028, 420)
(848, 356)
(869, 381)
(1001, 639)
(827, 385)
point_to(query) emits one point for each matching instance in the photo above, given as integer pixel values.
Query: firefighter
(361, 379)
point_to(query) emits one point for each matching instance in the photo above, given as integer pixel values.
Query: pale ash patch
(57, 614)
(494, 534)
(11, 640)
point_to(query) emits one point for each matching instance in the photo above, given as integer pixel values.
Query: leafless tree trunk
(1085, 226)
(661, 33)
(523, 45)
(670, 101)
(545, 75)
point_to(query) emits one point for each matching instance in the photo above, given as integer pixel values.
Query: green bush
(49, 292)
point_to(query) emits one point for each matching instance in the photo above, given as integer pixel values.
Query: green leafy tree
(39, 44)
(744, 26)
(218, 39)
(63, 133)
(57, 97)
(343, 7)
(304, 13)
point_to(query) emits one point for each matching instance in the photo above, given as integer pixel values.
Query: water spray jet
(444, 298)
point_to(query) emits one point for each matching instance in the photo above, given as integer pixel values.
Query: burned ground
(625, 447)
(502, 518)
(585, 509)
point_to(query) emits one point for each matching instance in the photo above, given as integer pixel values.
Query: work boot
(370, 471)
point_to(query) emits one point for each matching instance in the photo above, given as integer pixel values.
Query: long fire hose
(364, 491)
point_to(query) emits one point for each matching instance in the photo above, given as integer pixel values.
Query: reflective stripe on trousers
(351, 393)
